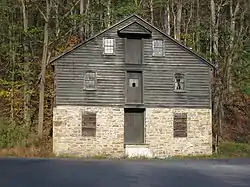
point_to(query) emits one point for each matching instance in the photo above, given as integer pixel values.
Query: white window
(179, 82)
(158, 48)
(90, 82)
(109, 46)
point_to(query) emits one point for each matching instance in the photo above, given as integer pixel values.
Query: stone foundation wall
(159, 132)
(68, 138)
(109, 138)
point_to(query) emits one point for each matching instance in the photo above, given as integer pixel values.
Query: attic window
(88, 123)
(179, 82)
(158, 48)
(108, 46)
(90, 82)
(180, 125)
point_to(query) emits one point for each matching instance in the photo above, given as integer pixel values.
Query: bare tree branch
(41, 12)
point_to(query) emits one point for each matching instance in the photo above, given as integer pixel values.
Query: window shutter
(180, 125)
(88, 123)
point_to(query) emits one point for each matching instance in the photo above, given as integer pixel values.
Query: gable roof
(127, 18)
(135, 27)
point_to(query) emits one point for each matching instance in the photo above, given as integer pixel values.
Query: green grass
(226, 150)
(231, 149)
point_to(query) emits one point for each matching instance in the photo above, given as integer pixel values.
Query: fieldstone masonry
(67, 132)
(159, 132)
(68, 139)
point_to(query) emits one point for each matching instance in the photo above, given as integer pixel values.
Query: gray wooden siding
(157, 75)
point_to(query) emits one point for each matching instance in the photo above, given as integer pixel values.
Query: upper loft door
(134, 50)
(134, 87)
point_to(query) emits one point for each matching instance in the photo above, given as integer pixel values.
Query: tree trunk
(108, 13)
(233, 14)
(167, 19)
(43, 69)
(151, 12)
(12, 109)
(57, 18)
(82, 19)
(188, 22)
(198, 25)
(215, 29)
(174, 19)
(87, 25)
(210, 44)
(84, 24)
(13, 63)
(214, 52)
(26, 76)
(178, 20)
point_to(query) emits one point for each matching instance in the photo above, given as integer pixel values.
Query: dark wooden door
(134, 87)
(134, 51)
(134, 126)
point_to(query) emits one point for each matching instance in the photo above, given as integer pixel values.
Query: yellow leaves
(4, 82)
(9, 87)
(10, 83)
(4, 93)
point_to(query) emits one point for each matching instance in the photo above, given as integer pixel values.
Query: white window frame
(94, 79)
(105, 45)
(154, 47)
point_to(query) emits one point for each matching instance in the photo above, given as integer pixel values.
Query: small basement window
(179, 82)
(180, 125)
(108, 46)
(90, 82)
(158, 48)
(88, 123)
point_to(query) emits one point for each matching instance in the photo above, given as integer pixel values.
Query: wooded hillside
(34, 31)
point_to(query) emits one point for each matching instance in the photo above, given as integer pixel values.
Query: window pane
(158, 48)
(158, 43)
(179, 81)
(108, 42)
(133, 82)
(90, 80)
(179, 86)
(158, 51)
(108, 50)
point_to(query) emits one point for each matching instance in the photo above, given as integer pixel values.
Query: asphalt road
(16, 172)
